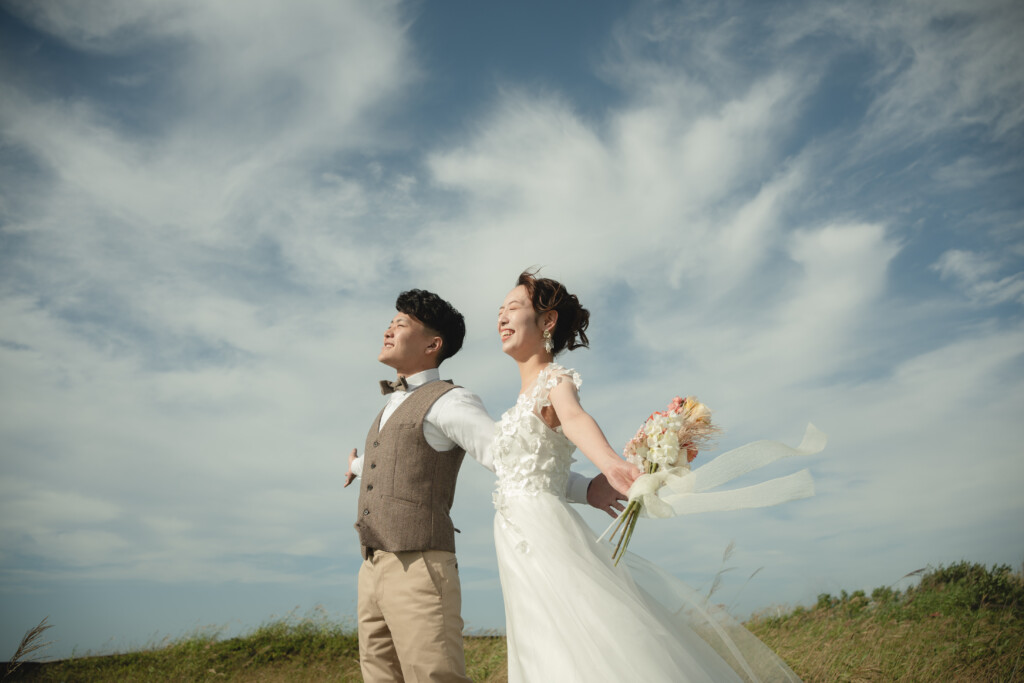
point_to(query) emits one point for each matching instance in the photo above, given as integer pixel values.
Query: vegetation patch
(964, 622)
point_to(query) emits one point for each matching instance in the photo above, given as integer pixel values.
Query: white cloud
(942, 66)
(540, 185)
(976, 273)
(215, 175)
(970, 172)
(106, 27)
(962, 67)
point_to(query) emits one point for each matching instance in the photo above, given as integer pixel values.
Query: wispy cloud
(978, 275)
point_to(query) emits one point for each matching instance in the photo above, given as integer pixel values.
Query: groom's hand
(602, 496)
(349, 477)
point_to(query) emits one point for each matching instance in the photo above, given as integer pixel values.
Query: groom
(410, 601)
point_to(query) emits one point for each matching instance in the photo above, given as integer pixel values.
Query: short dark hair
(436, 314)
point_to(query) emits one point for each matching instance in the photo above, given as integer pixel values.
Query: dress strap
(547, 380)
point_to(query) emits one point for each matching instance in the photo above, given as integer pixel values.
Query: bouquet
(663, 447)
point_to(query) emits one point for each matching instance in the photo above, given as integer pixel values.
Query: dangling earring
(548, 344)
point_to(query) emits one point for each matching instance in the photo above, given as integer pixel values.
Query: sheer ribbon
(678, 491)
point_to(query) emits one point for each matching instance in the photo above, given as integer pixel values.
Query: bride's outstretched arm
(582, 430)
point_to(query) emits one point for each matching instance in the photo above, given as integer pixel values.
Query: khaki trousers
(410, 618)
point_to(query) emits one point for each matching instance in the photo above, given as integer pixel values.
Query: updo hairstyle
(549, 295)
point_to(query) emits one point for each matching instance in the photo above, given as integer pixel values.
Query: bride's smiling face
(518, 327)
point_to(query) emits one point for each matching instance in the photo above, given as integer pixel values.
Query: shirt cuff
(576, 491)
(357, 466)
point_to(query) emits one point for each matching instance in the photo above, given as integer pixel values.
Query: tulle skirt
(572, 615)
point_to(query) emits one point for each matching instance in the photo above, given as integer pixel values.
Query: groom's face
(409, 346)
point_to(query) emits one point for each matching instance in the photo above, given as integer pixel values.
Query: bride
(571, 614)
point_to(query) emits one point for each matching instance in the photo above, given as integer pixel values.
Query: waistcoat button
(366, 512)
(369, 487)
(376, 443)
(373, 465)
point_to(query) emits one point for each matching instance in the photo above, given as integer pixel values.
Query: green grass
(964, 622)
(961, 623)
(310, 649)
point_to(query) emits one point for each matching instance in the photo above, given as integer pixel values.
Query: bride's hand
(621, 475)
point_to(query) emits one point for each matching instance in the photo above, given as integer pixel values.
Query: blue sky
(808, 211)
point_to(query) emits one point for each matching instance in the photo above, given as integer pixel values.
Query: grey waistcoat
(407, 487)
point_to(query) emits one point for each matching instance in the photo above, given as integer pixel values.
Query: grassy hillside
(964, 622)
(960, 623)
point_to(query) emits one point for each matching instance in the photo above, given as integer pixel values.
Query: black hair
(550, 295)
(436, 314)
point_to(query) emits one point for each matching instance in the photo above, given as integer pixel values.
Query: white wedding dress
(571, 614)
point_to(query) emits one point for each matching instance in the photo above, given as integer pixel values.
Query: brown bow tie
(387, 387)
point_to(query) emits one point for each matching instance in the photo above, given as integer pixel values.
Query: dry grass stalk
(29, 644)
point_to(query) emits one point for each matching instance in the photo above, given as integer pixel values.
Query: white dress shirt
(458, 418)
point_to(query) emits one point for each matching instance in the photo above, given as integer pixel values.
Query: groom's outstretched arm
(459, 418)
(462, 418)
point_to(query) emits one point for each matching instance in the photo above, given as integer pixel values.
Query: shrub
(968, 586)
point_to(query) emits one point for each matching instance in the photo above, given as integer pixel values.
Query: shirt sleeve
(357, 466)
(576, 489)
(461, 417)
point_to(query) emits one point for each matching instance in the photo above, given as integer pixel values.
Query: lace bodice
(529, 456)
